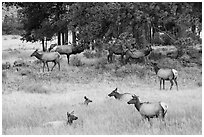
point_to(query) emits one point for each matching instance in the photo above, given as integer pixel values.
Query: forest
(163, 23)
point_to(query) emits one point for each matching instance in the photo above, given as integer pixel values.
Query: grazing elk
(46, 57)
(56, 124)
(87, 101)
(138, 54)
(149, 109)
(166, 74)
(67, 49)
(124, 96)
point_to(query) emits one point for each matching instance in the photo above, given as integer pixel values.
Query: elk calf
(166, 74)
(149, 110)
(87, 101)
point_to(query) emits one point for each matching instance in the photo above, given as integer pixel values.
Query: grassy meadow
(31, 98)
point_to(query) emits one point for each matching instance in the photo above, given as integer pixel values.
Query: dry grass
(25, 108)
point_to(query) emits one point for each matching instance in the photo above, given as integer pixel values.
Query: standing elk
(115, 48)
(56, 124)
(137, 54)
(166, 74)
(149, 109)
(120, 96)
(46, 57)
(67, 49)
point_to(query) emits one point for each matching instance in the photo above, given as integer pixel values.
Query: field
(31, 97)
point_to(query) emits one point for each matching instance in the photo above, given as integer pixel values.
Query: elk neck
(156, 68)
(38, 56)
(117, 95)
(138, 105)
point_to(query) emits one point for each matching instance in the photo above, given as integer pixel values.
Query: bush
(76, 61)
(89, 54)
(169, 63)
(101, 63)
(14, 37)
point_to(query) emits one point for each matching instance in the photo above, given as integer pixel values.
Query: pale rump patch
(164, 106)
(175, 73)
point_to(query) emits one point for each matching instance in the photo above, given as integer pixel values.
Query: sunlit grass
(32, 100)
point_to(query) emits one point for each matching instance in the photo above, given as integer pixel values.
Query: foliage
(89, 54)
(91, 20)
(76, 61)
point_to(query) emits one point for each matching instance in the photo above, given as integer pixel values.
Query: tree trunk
(46, 44)
(74, 37)
(43, 45)
(66, 37)
(63, 38)
(58, 38)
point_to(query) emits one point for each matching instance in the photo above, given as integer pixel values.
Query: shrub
(101, 63)
(14, 37)
(182, 44)
(169, 63)
(89, 54)
(76, 61)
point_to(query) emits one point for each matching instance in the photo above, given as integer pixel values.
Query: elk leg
(163, 84)
(172, 83)
(53, 65)
(58, 65)
(43, 66)
(109, 58)
(160, 83)
(47, 66)
(68, 58)
(176, 83)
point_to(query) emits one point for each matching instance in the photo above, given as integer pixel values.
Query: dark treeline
(90, 21)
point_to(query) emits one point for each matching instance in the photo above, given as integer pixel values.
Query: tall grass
(25, 108)
(103, 116)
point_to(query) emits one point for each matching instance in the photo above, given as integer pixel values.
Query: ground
(31, 97)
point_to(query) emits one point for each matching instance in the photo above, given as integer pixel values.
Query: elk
(115, 48)
(56, 124)
(120, 96)
(87, 101)
(166, 74)
(67, 49)
(6, 65)
(46, 57)
(138, 54)
(149, 109)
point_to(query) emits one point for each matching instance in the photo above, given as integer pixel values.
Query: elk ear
(85, 97)
(72, 112)
(68, 114)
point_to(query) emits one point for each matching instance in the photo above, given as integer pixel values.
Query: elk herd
(55, 51)
(146, 109)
